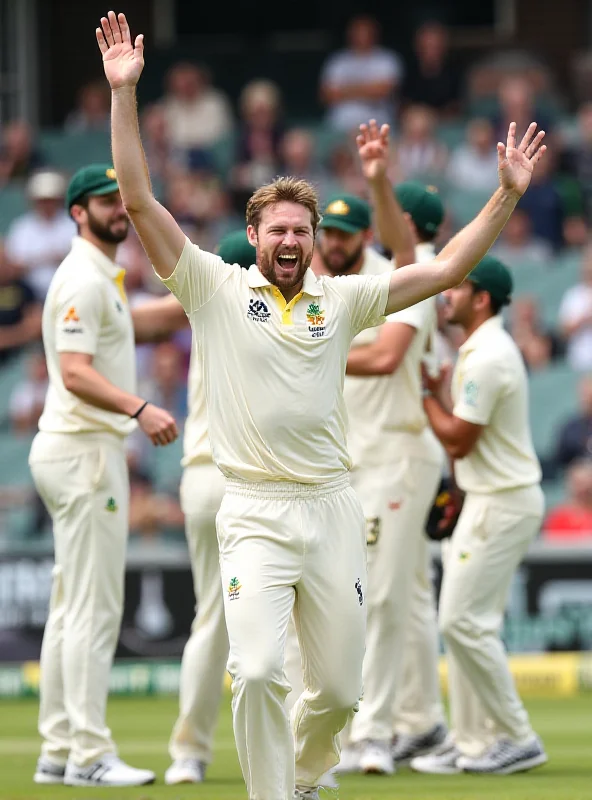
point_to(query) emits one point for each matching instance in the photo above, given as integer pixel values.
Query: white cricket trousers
(284, 547)
(83, 481)
(203, 665)
(490, 539)
(396, 498)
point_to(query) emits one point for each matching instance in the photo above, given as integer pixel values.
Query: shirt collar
(490, 325)
(311, 284)
(89, 250)
(425, 250)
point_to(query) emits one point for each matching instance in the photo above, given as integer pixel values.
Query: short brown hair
(288, 190)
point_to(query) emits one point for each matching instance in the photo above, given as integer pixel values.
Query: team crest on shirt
(71, 315)
(471, 392)
(234, 588)
(258, 311)
(316, 320)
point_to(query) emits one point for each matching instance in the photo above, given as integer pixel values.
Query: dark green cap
(95, 179)
(347, 213)
(235, 248)
(422, 203)
(494, 277)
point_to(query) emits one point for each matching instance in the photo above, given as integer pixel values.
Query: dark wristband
(139, 411)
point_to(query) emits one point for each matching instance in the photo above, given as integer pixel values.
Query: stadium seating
(13, 203)
(553, 399)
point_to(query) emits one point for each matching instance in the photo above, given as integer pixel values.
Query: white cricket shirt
(274, 371)
(382, 406)
(196, 440)
(86, 311)
(490, 388)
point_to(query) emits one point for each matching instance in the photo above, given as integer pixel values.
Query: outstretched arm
(393, 230)
(123, 61)
(410, 285)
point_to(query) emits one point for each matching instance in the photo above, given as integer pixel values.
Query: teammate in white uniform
(290, 528)
(202, 487)
(488, 435)
(397, 464)
(79, 468)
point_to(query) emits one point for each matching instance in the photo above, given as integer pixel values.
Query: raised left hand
(516, 164)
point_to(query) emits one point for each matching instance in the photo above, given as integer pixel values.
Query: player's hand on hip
(158, 425)
(123, 61)
(373, 149)
(516, 163)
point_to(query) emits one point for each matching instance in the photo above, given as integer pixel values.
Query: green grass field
(141, 727)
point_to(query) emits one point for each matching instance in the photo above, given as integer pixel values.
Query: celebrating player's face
(284, 242)
(107, 218)
(339, 250)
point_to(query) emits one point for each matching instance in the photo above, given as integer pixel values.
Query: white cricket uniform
(397, 467)
(205, 655)
(290, 528)
(502, 513)
(78, 464)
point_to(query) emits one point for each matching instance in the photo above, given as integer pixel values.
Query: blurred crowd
(207, 152)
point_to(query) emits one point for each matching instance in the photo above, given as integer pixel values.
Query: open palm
(373, 149)
(123, 61)
(516, 164)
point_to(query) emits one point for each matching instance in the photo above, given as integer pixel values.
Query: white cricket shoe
(376, 758)
(442, 761)
(185, 770)
(109, 770)
(505, 757)
(349, 761)
(48, 771)
(306, 793)
(407, 746)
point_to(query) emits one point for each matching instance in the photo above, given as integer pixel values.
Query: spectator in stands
(518, 246)
(200, 206)
(577, 158)
(473, 165)
(575, 437)
(575, 317)
(344, 168)
(20, 310)
(150, 511)
(297, 154)
(28, 397)
(430, 77)
(258, 155)
(573, 519)
(157, 142)
(517, 103)
(167, 386)
(18, 154)
(420, 154)
(93, 110)
(538, 345)
(544, 204)
(39, 240)
(361, 82)
(197, 115)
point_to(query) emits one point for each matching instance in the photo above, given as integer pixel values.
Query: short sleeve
(197, 277)
(416, 316)
(78, 311)
(365, 297)
(481, 383)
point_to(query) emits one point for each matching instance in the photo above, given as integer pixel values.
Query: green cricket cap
(346, 212)
(422, 203)
(235, 248)
(494, 277)
(96, 179)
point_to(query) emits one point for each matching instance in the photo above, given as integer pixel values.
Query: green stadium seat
(14, 466)
(166, 467)
(70, 151)
(452, 134)
(464, 205)
(553, 399)
(13, 203)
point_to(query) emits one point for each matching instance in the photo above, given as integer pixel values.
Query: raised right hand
(122, 61)
(373, 148)
(158, 425)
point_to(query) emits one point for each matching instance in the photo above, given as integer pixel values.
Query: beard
(337, 261)
(105, 232)
(267, 263)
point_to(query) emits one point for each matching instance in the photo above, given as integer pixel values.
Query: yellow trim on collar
(285, 308)
(119, 282)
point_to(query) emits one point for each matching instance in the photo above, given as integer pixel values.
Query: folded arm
(385, 354)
